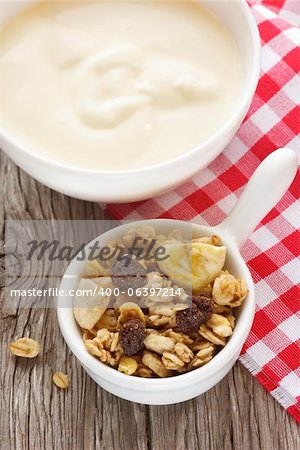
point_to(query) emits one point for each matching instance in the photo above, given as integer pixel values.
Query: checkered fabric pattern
(272, 350)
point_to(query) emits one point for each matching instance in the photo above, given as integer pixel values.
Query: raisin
(189, 320)
(132, 335)
(128, 273)
(205, 305)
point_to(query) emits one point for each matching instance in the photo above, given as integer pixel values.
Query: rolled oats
(203, 356)
(197, 344)
(155, 364)
(61, 380)
(184, 352)
(171, 361)
(162, 293)
(168, 310)
(138, 235)
(25, 347)
(210, 336)
(144, 371)
(158, 343)
(158, 320)
(220, 325)
(175, 235)
(178, 337)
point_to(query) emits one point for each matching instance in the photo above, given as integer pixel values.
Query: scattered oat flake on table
(61, 380)
(25, 347)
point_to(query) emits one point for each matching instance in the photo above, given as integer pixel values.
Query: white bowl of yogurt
(121, 101)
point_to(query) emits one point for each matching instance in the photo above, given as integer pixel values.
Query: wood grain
(237, 414)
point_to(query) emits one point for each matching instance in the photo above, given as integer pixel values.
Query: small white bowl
(138, 184)
(265, 188)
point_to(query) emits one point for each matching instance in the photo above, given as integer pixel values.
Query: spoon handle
(264, 190)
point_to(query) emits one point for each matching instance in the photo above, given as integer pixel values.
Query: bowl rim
(239, 111)
(221, 359)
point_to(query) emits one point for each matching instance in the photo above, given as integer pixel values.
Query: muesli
(160, 313)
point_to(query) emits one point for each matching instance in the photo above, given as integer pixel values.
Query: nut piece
(127, 365)
(94, 350)
(128, 273)
(132, 335)
(25, 347)
(154, 363)
(105, 346)
(61, 380)
(159, 343)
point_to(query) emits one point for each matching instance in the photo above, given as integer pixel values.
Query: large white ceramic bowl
(266, 187)
(138, 184)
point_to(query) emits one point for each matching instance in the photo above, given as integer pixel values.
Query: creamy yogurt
(116, 85)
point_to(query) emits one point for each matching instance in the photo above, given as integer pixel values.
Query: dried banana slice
(93, 299)
(192, 265)
(178, 263)
(207, 262)
(130, 310)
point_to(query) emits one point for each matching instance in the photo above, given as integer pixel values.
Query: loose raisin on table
(132, 335)
(128, 273)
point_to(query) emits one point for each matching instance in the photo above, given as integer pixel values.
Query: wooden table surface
(237, 414)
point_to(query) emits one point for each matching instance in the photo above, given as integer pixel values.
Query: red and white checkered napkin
(272, 350)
